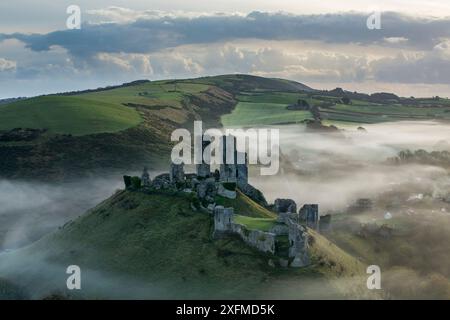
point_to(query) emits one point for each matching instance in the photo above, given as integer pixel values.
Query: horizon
(112, 86)
(396, 46)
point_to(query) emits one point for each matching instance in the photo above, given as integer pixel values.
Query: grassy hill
(111, 130)
(68, 115)
(114, 129)
(154, 246)
(257, 114)
(118, 129)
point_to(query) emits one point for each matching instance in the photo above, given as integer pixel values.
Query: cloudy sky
(323, 44)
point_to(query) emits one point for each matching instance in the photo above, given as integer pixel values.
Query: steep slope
(68, 115)
(114, 129)
(155, 246)
(109, 130)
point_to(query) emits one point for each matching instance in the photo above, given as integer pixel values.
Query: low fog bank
(29, 210)
(334, 170)
(35, 277)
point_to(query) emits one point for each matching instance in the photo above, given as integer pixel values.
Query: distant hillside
(118, 128)
(9, 100)
(155, 246)
(242, 82)
(107, 130)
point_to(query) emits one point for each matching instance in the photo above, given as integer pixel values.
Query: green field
(263, 224)
(159, 93)
(136, 120)
(361, 112)
(95, 112)
(269, 108)
(272, 97)
(245, 206)
(254, 114)
(68, 115)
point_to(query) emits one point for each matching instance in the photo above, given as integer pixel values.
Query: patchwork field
(270, 108)
(254, 114)
(130, 125)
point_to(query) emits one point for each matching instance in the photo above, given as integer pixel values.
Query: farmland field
(68, 115)
(270, 108)
(254, 114)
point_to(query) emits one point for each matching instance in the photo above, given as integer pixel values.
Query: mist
(336, 169)
(30, 210)
(333, 170)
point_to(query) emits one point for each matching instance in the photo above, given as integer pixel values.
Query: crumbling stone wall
(298, 240)
(309, 214)
(223, 224)
(223, 219)
(176, 172)
(263, 241)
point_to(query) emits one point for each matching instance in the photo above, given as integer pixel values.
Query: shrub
(180, 185)
(136, 182)
(346, 100)
(229, 186)
(194, 200)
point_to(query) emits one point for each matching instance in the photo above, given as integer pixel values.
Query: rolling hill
(118, 129)
(68, 115)
(154, 246)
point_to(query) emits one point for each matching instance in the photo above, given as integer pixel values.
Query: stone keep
(228, 171)
(309, 214)
(285, 205)
(145, 178)
(298, 250)
(223, 219)
(176, 172)
(204, 169)
(242, 171)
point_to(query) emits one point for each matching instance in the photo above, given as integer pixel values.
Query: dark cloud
(150, 35)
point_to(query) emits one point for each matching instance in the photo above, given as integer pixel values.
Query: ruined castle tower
(223, 218)
(309, 214)
(234, 170)
(145, 178)
(228, 168)
(204, 169)
(242, 172)
(176, 172)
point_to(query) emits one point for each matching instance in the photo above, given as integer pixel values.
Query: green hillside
(155, 246)
(243, 205)
(68, 115)
(256, 114)
(112, 130)
(266, 107)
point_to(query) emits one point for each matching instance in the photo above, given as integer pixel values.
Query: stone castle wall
(263, 241)
(224, 224)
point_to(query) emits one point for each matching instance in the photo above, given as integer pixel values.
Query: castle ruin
(226, 182)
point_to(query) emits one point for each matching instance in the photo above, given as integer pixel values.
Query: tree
(346, 100)
(136, 182)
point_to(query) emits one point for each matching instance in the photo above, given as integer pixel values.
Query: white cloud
(7, 65)
(396, 40)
